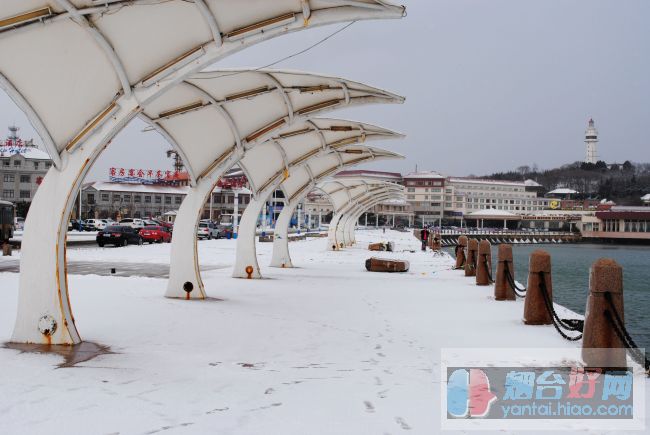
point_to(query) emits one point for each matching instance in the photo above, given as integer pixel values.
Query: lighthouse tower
(591, 142)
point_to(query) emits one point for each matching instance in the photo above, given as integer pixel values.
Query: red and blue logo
(468, 394)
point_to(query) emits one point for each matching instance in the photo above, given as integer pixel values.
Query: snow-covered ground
(323, 348)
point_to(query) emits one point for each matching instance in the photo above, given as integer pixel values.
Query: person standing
(424, 237)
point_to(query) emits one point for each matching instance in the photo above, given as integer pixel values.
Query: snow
(323, 348)
(562, 191)
(492, 212)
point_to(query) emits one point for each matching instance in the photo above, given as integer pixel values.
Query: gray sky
(489, 85)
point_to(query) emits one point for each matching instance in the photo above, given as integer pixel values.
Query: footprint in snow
(402, 423)
(369, 406)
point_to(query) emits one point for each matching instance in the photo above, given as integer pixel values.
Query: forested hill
(623, 183)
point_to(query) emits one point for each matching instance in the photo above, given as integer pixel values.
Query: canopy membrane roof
(342, 192)
(324, 144)
(211, 115)
(85, 55)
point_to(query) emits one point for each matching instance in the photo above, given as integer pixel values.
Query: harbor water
(570, 266)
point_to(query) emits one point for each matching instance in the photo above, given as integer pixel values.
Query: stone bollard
(502, 289)
(472, 252)
(535, 311)
(484, 271)
(6, 249)
(436, 243)
(601, 346)
(460, 252)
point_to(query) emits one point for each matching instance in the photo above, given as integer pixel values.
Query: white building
(591, 143)
(22, 168)
(464, 196)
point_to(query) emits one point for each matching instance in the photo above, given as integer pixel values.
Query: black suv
(119, 235)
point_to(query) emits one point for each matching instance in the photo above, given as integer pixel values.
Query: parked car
(133, 223)
(118, 235)
(155, 233)
(78, 225)
(207, 230)
(95, 224)
(161, 223)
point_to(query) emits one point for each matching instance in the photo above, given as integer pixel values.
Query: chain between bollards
(619, 328)
(519, 292)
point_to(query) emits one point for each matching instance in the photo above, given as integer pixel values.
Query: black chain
(557, 322)
(488, 267)
(623, 335)
(519, 292)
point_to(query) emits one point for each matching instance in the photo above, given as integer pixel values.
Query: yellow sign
(555, 204)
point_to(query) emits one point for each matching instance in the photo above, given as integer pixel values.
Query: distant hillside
(624, 183)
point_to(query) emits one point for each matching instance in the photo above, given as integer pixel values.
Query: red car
(156, 234)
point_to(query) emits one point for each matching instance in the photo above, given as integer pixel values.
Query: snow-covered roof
(532, 183)
(424, 174)
(646, 197)
(25, 151)
(99, 54)
(171, 213)
(492, 213)
(102, 186)
(485, 181)
(563, 191)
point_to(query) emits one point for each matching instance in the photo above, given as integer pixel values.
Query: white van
(96, 224)
(133, 223)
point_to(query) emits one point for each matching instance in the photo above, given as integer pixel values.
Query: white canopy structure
(325, 145)
(350, 197)
(295, 188)
(86, 69)
(216, 118)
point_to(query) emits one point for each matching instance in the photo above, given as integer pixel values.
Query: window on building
(90, 198)
(168, 200)
(147, 199)
(5, 162)
(35, 165)
(158, 199)
(410, 196)
(116, 197)
(137, 198)
(7, 193)
(105, 197)
(17, 163)
(25, 194)
(9, 178)
(48, 165)
(178, 199)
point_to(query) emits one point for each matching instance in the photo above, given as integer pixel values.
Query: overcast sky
(489, 85)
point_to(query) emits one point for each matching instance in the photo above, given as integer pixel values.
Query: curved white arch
(81, 75)
(295, 192)
(343, 231)
(342, 141)
(345, 195)
(259, 114)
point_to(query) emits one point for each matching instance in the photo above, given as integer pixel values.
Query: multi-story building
(22, 168)
(425, 191)
(437, 199)
(102, 199)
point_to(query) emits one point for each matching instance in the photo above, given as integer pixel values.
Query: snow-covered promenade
(323, 348)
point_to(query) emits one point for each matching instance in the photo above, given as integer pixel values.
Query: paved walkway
(149, 270)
